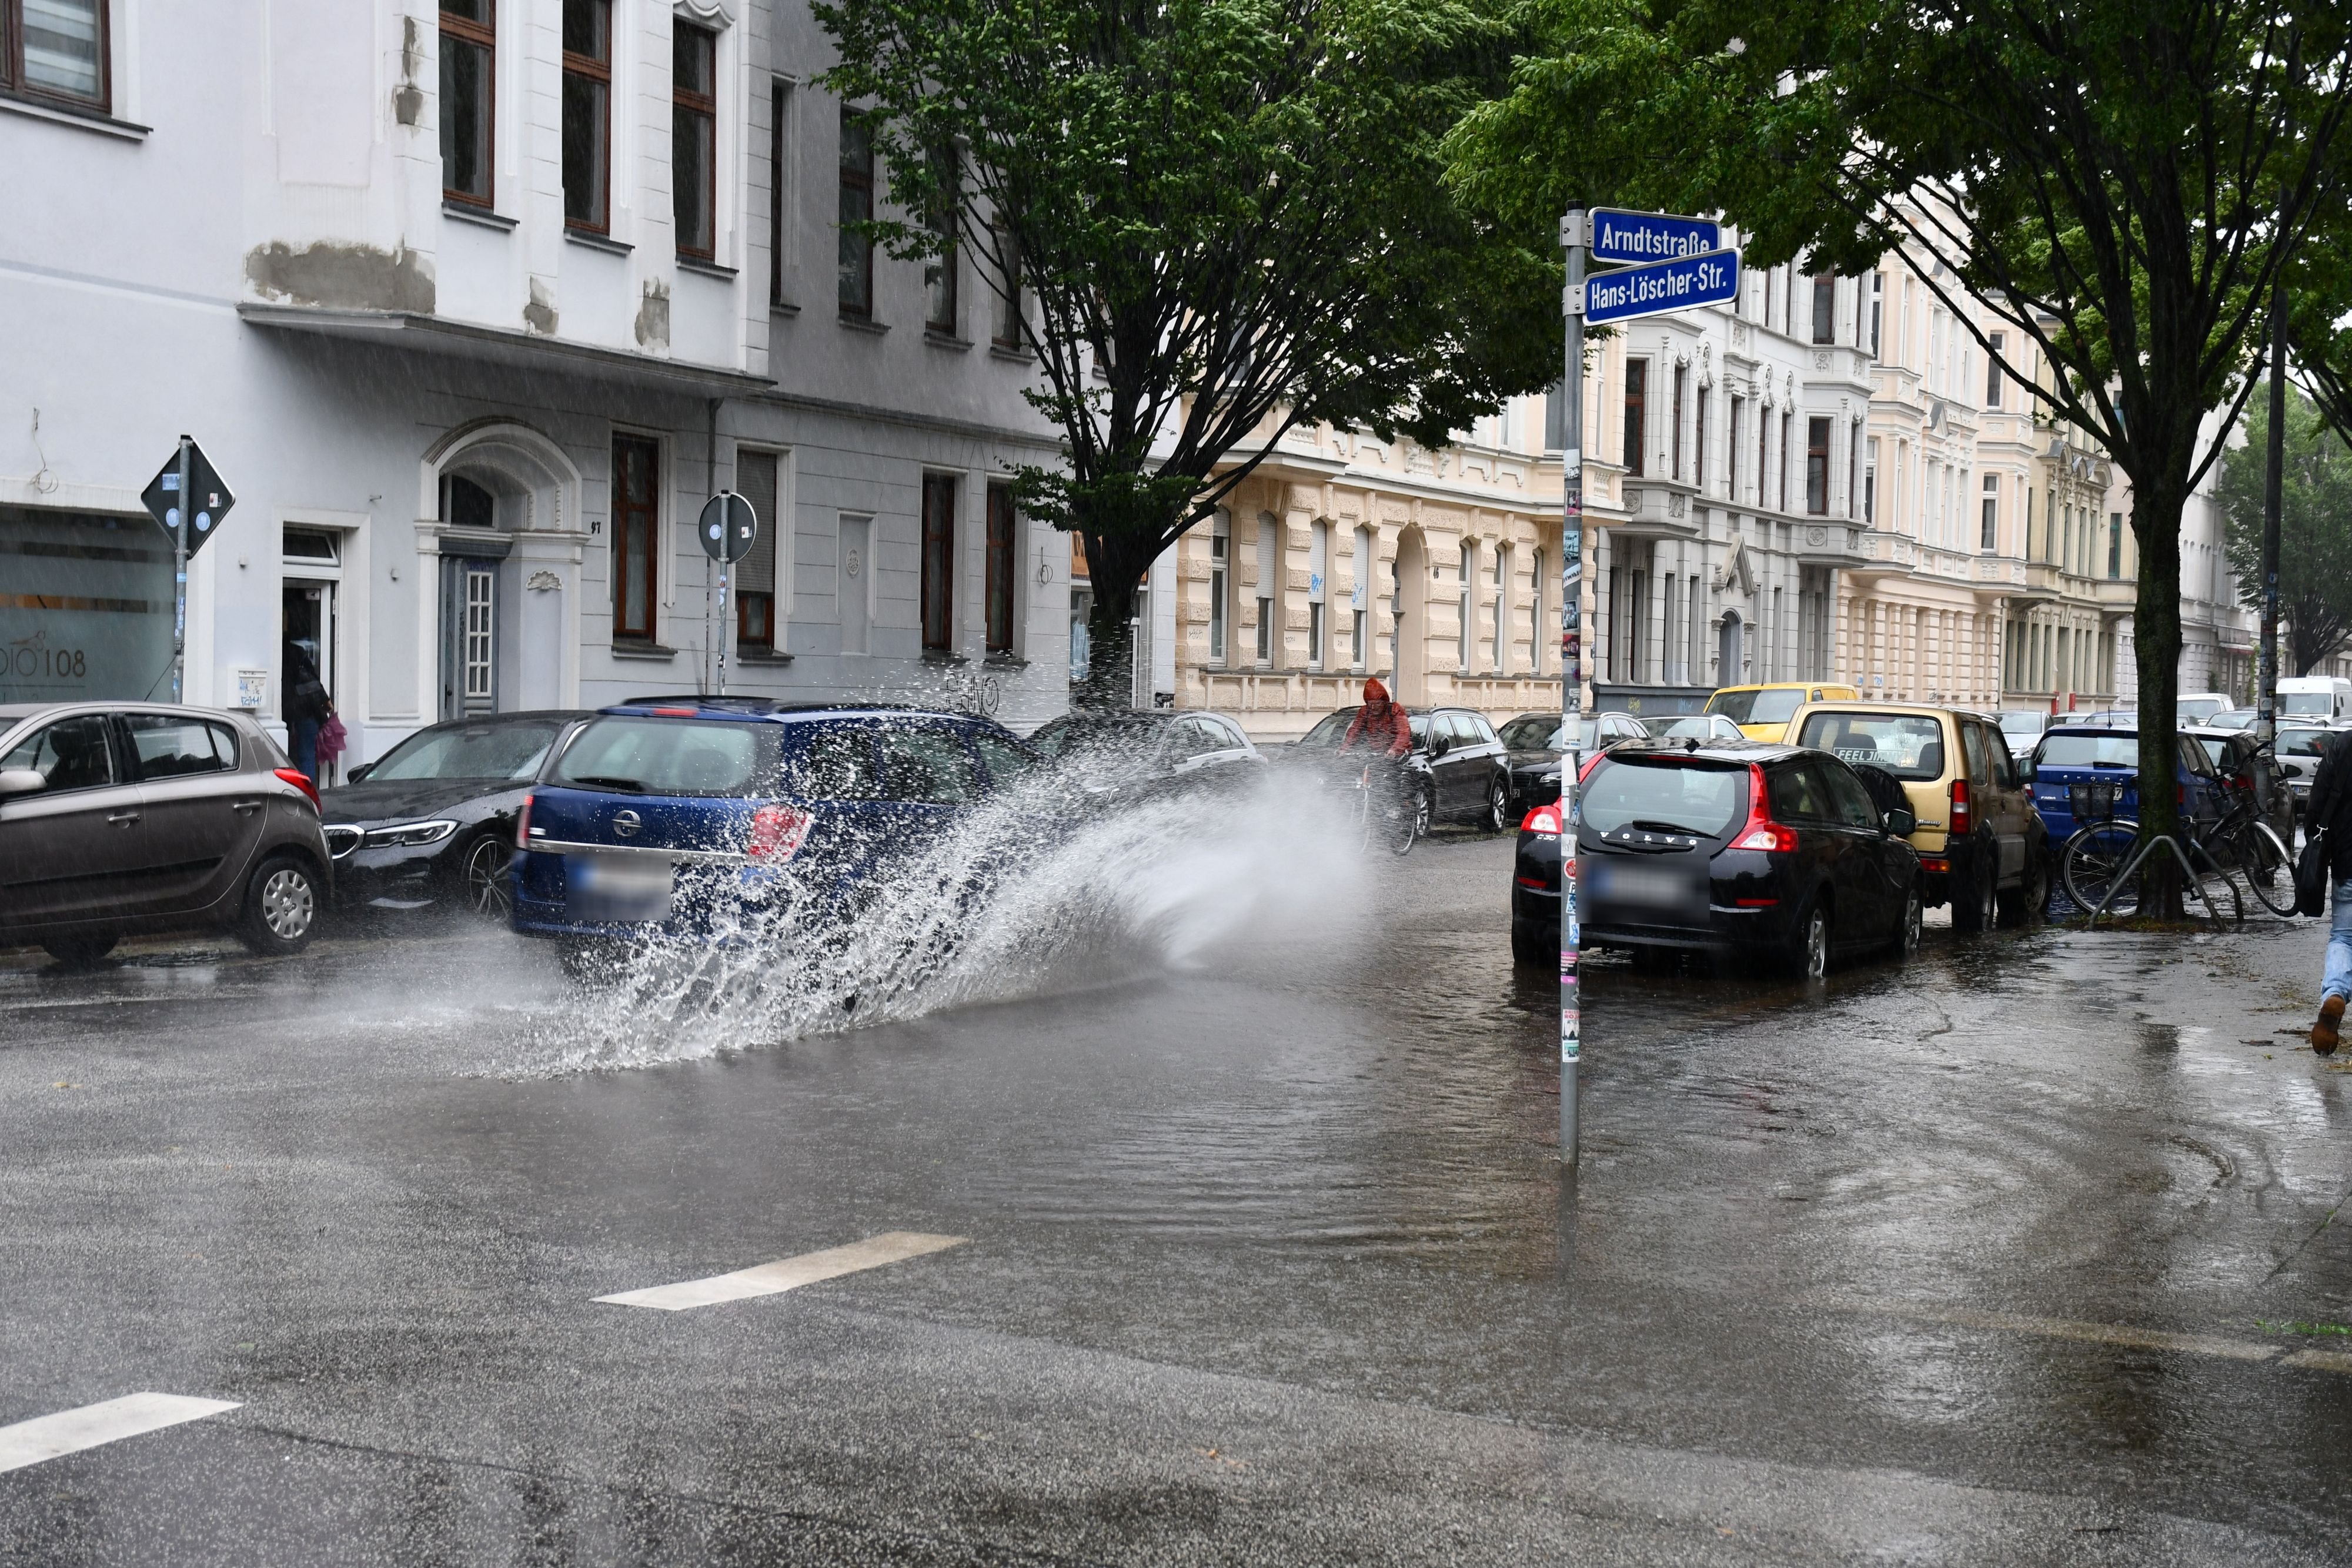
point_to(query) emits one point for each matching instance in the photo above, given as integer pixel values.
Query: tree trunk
(2156, 651)
(1116, 569)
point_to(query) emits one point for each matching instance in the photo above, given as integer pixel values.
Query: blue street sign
(1649, 236)
(1708, 280)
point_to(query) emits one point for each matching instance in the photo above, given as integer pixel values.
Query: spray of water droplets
(1038, 890)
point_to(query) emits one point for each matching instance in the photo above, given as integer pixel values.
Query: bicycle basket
(2090, 802)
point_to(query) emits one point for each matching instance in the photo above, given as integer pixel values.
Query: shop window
(468, 98)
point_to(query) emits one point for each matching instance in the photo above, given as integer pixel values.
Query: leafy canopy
(1229, 217)
(2315, 525)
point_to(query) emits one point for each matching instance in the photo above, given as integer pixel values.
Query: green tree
(1229, 218)
(2114, 181)
(2314, 526)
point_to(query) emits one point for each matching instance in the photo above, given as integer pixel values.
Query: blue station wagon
(667, 818)
(2097, 768)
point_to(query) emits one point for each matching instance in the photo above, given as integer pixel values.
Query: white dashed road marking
(789, 1274)
(70, 1431)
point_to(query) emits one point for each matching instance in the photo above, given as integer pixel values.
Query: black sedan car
(1127, 755)
(1460, 767)
(1532, 739)
(1767, 852)
(431, 823)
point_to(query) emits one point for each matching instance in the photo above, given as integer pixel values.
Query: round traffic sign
(728, 527)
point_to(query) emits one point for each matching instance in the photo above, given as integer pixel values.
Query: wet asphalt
(2024, 1253)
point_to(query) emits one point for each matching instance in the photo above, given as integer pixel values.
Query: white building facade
(472, 306)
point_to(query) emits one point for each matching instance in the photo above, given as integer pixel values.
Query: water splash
(1036, 891)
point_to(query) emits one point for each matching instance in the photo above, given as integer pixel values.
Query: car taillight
(522, 825)
(1761, 832)
(300, 780)
(1959, 805)
(777, 833)
(1542, 819)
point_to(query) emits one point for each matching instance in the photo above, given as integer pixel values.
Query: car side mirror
(2025, 771)
(1901, 825)
(22, 781)
(353, 776)
(1438, 745)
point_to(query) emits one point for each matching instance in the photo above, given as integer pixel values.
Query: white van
(2322, 697)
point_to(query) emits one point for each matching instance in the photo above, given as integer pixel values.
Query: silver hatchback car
(123, 818)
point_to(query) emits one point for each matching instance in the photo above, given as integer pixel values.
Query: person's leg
(305, 746)
(2336, 987)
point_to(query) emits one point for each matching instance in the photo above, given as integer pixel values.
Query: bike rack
(2194, 885)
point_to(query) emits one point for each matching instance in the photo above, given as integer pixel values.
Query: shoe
(2331, 1020)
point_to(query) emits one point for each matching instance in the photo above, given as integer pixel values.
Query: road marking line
(110, 1420)
(2097, 1333)
(789, 1273)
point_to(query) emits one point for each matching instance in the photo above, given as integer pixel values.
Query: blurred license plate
(617, 887)
(1640, 884)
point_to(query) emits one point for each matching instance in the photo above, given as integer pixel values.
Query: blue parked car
(667, 817)
(2097, 768)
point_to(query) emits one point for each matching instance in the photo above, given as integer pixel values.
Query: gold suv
(1983, 847)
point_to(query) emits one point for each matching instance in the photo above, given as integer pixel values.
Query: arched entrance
(498, 612)
(1729, 651)
(1410, 603)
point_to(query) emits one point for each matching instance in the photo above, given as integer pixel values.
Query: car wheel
(1906, 940)
(1975, 907)
(487, 892)
(1498, 807)
(1809, 949)
(281, 907)
(82, 949)
(2030, 899)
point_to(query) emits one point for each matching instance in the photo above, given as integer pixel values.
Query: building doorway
(308, 644)
(1729, 651)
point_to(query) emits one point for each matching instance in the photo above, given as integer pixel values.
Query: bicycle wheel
(2093, 858)
(2264, 858)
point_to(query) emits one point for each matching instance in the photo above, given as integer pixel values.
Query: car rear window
(2089, 751)
(470, 751)
(2301, 742)
(1671, 795)
(1756, 707)
(1909, 745)
(635, 756)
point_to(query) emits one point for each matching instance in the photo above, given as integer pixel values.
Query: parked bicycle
(2093, 866)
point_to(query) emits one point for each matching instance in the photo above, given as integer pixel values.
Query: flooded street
(1248, 1246)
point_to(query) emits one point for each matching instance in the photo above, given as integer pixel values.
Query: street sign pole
(722, 628)
(2266, 674)
(179, 574)
(728, 529)
(1571, 675)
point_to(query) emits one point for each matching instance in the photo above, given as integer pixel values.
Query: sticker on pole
(1711, 279)
(1622, 237)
